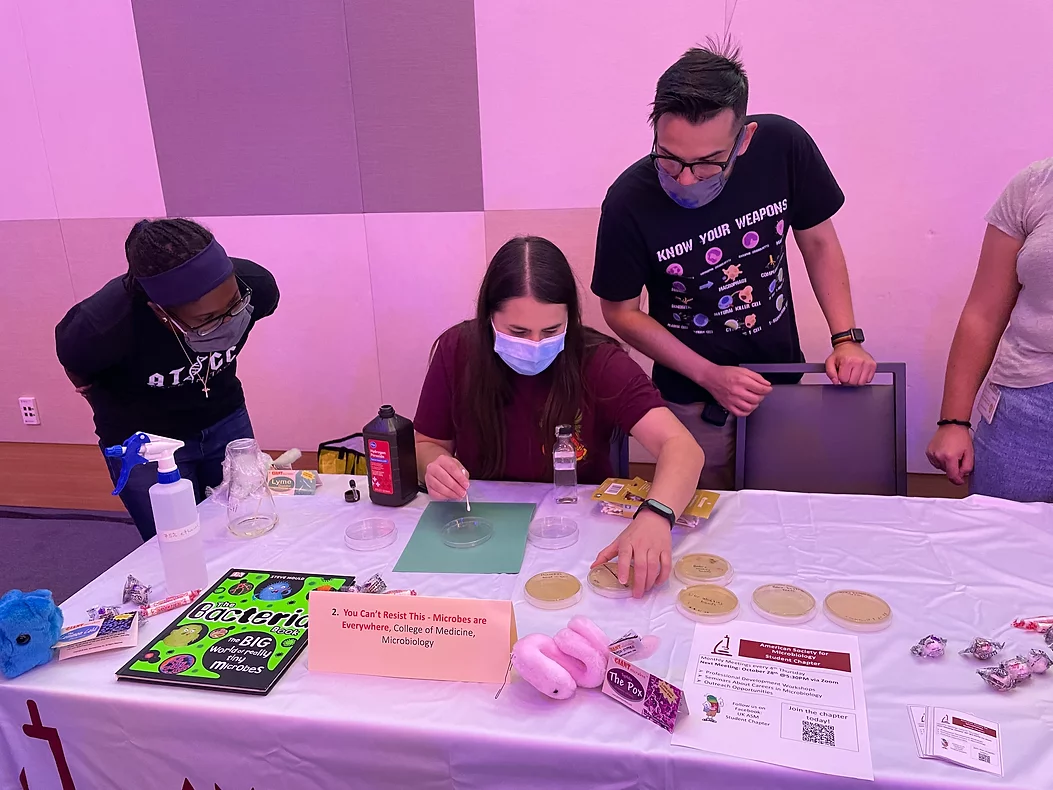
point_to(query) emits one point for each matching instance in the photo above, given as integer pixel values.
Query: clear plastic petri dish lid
(552, 590)
(784, 603)
(370, 534)
(465, 533)
(703, 569)
(708, 603)
(553, 532)
(856, 610)
(603, 580)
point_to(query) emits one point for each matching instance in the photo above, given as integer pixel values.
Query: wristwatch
(655, 506)
(853, 335)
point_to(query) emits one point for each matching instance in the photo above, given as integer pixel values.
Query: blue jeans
(1014, 454)
(200, 461)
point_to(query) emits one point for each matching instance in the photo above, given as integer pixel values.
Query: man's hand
(850, 364)
(738, 390)
(446, 478)
(951, 451)
(645, 546)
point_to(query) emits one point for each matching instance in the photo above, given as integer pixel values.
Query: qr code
(984, 758)
(823, 734)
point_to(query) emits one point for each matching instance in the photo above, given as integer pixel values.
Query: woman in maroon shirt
(498, 386)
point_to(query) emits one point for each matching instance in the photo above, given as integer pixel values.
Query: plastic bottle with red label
(392, 459)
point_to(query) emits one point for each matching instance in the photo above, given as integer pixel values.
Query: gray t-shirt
(1025, 211)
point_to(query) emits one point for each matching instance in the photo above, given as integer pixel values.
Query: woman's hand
(646, 546)
(951, 450)
(445, 478)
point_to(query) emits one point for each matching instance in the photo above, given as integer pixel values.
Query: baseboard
(70, 476)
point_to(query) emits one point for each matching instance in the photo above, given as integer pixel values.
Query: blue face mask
(528, 357)
(701, 192)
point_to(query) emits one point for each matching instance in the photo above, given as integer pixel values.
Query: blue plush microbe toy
(30, 624)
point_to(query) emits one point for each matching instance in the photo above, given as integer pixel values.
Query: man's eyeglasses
(674, 166)
(700, 169)
(211, 325)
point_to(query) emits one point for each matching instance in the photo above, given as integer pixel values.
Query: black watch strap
(853, 335)
(655, 506)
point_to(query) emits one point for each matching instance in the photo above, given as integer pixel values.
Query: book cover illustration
(241, 635)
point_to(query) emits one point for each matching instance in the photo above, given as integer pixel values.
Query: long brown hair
(524, 266)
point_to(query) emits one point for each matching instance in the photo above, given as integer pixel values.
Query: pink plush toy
(575, 656)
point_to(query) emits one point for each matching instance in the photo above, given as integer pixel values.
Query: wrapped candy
(168, 604)
(982, 649)
(102, 612)
(374, 584)
(1017, 668)
(1039, 661)
(997, 678)
(136, 592)
(931, 646)
(1049, 637)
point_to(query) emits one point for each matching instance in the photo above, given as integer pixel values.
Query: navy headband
(191, 280)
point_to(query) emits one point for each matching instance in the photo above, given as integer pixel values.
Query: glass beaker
(250, 506)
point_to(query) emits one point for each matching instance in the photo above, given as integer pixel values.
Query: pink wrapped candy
(997, 678)
(1039, 661)
(931, 646)
(1017, 668)
(982, 649)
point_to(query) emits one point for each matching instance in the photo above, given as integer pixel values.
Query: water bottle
(565, 466)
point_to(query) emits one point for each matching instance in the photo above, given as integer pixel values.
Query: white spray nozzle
(161, 449)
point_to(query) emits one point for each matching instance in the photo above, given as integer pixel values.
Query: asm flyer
(779, 695)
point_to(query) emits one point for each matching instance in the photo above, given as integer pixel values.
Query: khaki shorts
(718, 443)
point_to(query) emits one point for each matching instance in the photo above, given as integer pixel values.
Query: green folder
(503, 553)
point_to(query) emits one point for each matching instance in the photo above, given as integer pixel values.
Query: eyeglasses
(211, 325)
(700, 169)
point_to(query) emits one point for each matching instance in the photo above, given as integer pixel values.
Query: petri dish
(784, 603)
(708, 603)
(857, 610)
(703, 569)
(552, 590)
(370, 534)
(604, 581)
(466, 533)
(553, 532)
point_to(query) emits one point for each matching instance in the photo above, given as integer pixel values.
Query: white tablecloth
(955, 568)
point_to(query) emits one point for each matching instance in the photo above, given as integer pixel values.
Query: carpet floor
(60, 550)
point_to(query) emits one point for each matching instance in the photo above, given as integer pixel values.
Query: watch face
(857, 335)
(660, 507)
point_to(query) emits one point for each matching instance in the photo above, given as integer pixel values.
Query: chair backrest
(620, 453)
(822, 438)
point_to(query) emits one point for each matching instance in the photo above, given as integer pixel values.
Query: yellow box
(621, 497)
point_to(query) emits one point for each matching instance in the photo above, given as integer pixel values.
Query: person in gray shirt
(1005, 335)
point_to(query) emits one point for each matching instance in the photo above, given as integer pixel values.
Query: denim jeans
(200, 461)
(1014, 454)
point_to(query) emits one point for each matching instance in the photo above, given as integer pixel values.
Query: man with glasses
(156, 350)
(701, 223)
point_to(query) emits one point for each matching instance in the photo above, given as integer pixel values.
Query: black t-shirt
(138, 372)
(716, 276)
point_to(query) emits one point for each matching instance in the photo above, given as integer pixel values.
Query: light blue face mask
(701, 192)
(528, 357)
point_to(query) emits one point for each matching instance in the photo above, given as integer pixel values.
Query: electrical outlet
(30, 415)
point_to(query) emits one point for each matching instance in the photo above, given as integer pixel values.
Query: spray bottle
(174, 507)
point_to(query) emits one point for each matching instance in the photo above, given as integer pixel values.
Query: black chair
(823, 438)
